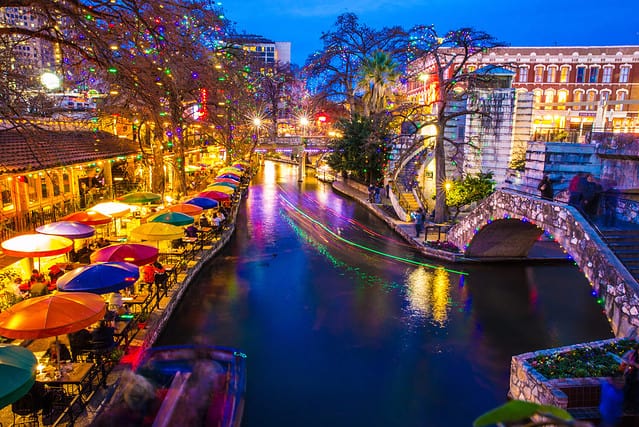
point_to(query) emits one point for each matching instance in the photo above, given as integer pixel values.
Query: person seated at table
(204, 221)
(39, 288)
(23, 286)
(190, 231)
(116, 304)
(54, 274)
(148, 276)
(102, 337)
(160, 276)
(101, 242)
(79, 342)
(36, 276)
(52, 352)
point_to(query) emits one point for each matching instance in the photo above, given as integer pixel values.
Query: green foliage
(518, 412)
(472, 188)
(361, 150)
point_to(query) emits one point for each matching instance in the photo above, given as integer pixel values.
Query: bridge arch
(507, 223)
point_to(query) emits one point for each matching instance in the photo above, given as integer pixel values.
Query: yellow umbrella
(220, 188)
(230, 169)
(113, 209)
(156, 231)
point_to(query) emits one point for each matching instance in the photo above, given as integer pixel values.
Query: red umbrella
(51, 315)
(135, 253)
(185, 208)
(88, 218)
(226, 180)
(215, 195)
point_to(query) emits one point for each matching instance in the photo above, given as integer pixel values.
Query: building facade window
(591, 98)
(606, 76)
(549, 97)
(578, 96)
(624, 73)
(562, 97)
(604, 96)
(563, 75)
(581, 74)
(552, 75)
(594, 75)
(523, 74)
(539, 74)
(622, 95)
(537, 97)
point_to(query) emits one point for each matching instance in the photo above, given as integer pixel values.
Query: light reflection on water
(339, 336)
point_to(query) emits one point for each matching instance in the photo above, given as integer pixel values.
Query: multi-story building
(264, 49)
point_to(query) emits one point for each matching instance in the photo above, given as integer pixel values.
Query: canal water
(344, 324)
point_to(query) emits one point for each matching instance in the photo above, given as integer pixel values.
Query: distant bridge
(507, 224)
(286, 143)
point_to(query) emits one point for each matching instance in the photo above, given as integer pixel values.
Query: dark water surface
(343, 327)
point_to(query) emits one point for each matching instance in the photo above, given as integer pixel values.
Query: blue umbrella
(229, 176)
(101, 278)
(204, 202)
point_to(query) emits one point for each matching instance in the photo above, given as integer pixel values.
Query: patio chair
(25, 411)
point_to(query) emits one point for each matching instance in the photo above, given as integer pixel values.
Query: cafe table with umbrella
(17, 372)
(100, 278)
(174, 218)
(89, 218)
(134, 253)
(230, 169)
(36, 246)
(68, 229)
(51, 315)
(215, 195)
(226, 180)
(232, 176)
(185, 208)
(204, 202)
(157, 231)
(140, 198)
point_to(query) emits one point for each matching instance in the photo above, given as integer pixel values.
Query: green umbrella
(17, 372)
(173, 218)
(140, 197)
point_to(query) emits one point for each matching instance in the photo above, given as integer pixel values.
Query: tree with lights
(446, 58)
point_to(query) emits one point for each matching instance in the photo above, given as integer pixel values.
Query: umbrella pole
(57, 351)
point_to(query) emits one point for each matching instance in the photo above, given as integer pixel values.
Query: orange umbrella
(51, 315)
(185, 208)
(36, 245)
(88, 218)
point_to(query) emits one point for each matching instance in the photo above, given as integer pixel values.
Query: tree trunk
(440, 178)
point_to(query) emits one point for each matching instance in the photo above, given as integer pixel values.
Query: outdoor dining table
(71, 378)
(137, 303)
(123, 329)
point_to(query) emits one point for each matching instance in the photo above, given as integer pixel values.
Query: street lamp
(304, 123)
(50, 80)
(257, 122)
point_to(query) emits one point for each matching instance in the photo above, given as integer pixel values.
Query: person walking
(575, 187)
(545, 187)
(418, 218)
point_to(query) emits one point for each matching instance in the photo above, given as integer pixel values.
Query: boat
(194, 385)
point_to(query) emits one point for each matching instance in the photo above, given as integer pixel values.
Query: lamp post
(257, 122)
(302, 162)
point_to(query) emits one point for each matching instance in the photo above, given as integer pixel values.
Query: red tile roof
(37, 150)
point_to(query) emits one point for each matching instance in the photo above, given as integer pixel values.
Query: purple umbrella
(68, 229)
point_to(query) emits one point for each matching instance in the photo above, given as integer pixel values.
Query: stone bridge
(507, 224)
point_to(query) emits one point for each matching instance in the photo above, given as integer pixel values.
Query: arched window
(591, 98)
(622, 95)
(539, 73)
(565, 72)
(551, 77)
(578, 96)
(562, 97)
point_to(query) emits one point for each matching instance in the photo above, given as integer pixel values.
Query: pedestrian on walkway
(418, 218)
(387, 188)
(545, 187)
(591, 194)
(378, 194)
(575, 188)
(371, 193)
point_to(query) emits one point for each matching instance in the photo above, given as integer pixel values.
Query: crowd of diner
(71, 365)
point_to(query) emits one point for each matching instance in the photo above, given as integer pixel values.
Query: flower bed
(582, 362)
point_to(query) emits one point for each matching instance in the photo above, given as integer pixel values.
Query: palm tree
(378, 77)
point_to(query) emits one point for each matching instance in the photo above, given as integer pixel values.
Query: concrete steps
(625, 244)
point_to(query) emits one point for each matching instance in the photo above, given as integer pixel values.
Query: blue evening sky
(517, 23)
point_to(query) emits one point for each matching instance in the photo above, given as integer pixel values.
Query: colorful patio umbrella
(140, 197)
(204, 202)
(230, 169)
(89, 218)
(101, 278)
(68, 229)
(36, 245)
(239, 166)
(134, 253)
(232, 186)
(221, 189)
(174, 218)
(51, 315)
(215, 195)
(234, 177)
(114, 209)
(227, 180)
(17, 372)
(185, 208)
(156, 231)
